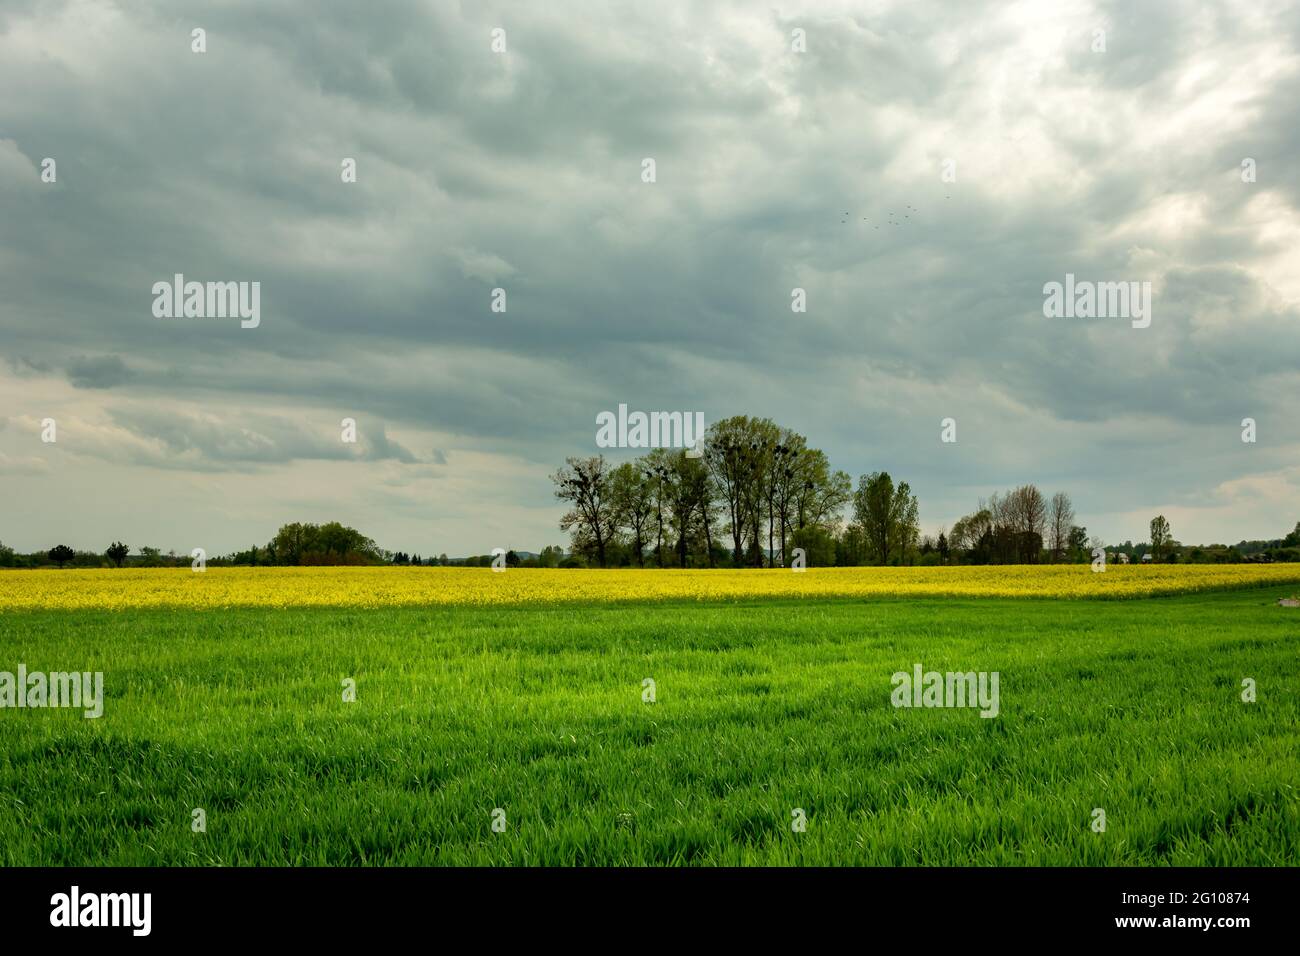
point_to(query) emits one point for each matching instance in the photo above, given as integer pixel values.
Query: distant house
(1123, 558)
(1146, 559)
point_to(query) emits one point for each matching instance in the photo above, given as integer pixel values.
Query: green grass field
(762, 707)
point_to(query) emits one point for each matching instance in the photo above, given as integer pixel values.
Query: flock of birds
(890, 221)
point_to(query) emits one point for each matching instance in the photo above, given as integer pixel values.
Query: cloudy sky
(522, 170)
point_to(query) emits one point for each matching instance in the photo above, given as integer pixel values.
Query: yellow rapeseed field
(396, 586)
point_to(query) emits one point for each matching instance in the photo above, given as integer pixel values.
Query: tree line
(298, 544)
(751, 493)
(754, 494)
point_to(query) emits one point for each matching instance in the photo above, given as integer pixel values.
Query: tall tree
(1060, 519)
(632, 497)
(688, 496)
(1027, 509)
(819, 493)
(724, 453)
(584, 484)
(969, 530)
(1160, 537)
(887, 516)
(790, 447)
(702, 496)
(1079, 543)
(659, 479)
(675, 491)
(759, 458)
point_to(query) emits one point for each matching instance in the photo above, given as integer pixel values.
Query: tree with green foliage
(818, 545)
(734, 452)
(1160, 538)
(888, 516)
(302, 543)
(117, 553)
(1078, 543)
(633, 500)
(584, 483)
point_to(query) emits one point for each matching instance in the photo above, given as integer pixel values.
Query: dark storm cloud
(775, 170)
(101, 371)
(209, 443)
